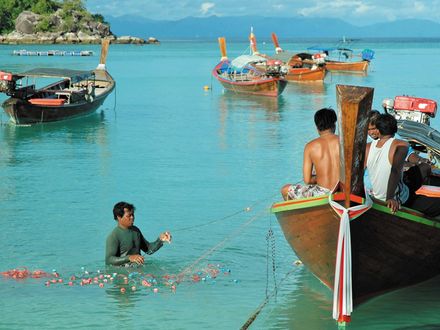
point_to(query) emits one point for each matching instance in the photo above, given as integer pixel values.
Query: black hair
(386, 124)
(118, 209)
(325, 118)
(372, 117)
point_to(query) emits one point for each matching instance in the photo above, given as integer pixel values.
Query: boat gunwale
(405, 213)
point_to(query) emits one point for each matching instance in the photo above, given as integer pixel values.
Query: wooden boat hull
(267, 86)
(360, 66)
(23, 112)
(306, 74)
(387, 250)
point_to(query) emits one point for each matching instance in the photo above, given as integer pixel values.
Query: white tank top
(379, 169)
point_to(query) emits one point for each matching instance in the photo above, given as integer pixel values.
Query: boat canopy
(243, 60)
(72, 75)
(283, 56)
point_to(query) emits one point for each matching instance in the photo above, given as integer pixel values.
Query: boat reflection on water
(251, 109)
(271, 106)
(310, 87)
(84, 130)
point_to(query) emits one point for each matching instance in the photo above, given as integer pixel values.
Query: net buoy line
(243, 210)
(210, 251)
(219, 245)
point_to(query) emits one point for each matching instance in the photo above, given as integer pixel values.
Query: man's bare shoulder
(400, 143)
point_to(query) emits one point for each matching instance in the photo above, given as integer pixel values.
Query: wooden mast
(278, 49)
(354, 104)
(104, 51)
(222, 45)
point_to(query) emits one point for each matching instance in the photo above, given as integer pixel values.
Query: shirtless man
(321, 156)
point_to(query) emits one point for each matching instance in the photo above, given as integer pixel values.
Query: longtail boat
(300, 66)
(344, 61)
(354, 244)
(250, 74)
(70, 93)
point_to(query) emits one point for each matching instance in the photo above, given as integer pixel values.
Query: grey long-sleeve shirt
(124, 242)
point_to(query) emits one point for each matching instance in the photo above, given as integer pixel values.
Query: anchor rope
(254, 315)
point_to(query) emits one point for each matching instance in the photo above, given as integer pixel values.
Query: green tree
(45, 7)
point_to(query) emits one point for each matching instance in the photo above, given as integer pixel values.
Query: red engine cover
(5, 76)
(415, 104)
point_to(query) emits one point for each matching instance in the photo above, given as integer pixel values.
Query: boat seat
(430, 191)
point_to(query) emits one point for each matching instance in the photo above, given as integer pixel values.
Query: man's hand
(136, 258)
(393, 205)
(165, 237)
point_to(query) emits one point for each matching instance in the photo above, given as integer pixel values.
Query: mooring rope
(254, 315)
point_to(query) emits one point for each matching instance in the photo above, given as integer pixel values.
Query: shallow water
(191, 161)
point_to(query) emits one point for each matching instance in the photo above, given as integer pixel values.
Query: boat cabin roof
(73, 75)
(243, 60)
(284, 56)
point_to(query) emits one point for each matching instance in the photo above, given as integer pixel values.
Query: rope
(253, 317)
(220, 244)
(246, 209)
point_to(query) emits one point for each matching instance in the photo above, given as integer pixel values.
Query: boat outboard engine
(7, 83)
(275, 68)
(411, 108)
(319, 58)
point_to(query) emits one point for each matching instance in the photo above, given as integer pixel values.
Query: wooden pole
(222, 45)
(354, 105)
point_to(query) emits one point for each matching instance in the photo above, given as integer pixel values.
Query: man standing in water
(321, 155)
(125, 242)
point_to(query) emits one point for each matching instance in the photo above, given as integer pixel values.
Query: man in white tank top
(384, 161)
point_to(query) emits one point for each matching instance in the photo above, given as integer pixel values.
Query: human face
(127, 219)
(373, 132)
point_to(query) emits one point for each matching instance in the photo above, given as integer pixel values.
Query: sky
(357, 12)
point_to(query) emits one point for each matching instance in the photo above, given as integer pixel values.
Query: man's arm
(308, 166)
(111, 251)
(150, 248)
(395, 175)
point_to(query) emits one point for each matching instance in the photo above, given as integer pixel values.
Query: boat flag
(342, 289)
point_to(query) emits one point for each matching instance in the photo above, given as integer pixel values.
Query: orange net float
(23, 273)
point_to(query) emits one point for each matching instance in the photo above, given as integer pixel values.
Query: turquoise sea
(203, 164)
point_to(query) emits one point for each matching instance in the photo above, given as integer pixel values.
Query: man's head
(373, 132)
(386, 124)
(124, 213)
(325, 119)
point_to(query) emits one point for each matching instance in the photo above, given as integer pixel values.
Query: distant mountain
(238, 28)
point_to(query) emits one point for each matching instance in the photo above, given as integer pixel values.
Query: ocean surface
(203, 164)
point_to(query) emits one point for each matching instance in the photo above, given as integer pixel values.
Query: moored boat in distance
(249, 74)
(356, 246)
(300, 66)
(70, 93)
(343, 61)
